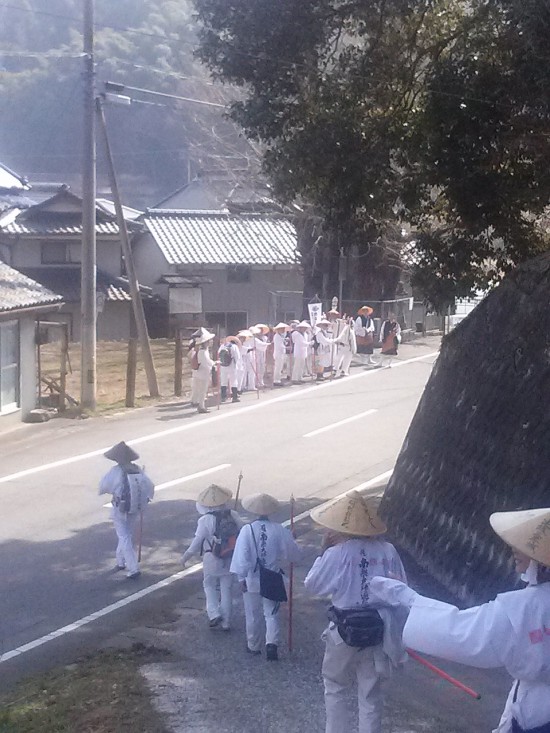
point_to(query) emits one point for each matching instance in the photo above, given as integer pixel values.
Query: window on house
(228, 323)
(54, 253)
(238, 274)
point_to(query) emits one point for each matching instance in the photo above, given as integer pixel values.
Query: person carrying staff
(126, 511)
(513, 631)
(352, 552)
(267, 543)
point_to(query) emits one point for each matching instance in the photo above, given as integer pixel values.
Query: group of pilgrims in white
(298, 351)
(375, 618)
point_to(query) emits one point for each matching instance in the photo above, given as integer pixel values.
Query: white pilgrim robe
(276, 549)
(513, 631)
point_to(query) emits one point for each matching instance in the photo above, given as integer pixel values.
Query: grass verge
(101, 693)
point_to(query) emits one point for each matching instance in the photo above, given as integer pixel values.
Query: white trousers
(250, 371)
(218, 602)
(125, 526)
(200, 390)
(344, 362)
(278, 366)
(298, 365)
(256, 607)
(344, 665)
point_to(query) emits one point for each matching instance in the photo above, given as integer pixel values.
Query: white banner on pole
(315, 312)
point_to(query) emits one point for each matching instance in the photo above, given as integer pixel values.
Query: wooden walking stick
(290, 579)
(140, 534)
(444, 675)
(238, 488)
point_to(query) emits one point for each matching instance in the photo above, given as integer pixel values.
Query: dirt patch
(101, 693)
(111, 372)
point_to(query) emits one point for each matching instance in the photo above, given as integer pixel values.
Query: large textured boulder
(480, 439)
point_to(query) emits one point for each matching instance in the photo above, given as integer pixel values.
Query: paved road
(312, 441)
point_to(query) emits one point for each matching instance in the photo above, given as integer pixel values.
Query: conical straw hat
(527, 531)
(260, 504)
(204, 336)
(121, 453)
(281, 325)
(214, 495)
(351, 514)
(246, 333)
(264, 328)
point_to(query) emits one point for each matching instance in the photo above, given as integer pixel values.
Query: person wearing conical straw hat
(202, 369)
(279, 352)
(353, 551)
(364, 334)
(216, 518)
(301, 343)
(131, 490)
(513, 631)
(268, 543)
(261, 344)
(230, 367)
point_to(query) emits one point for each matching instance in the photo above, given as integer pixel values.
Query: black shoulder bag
(361, 627)
(272, 585)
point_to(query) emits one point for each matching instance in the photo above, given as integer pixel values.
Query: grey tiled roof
(56, 226)
(221, 238)
(66, 280)
(19, 291)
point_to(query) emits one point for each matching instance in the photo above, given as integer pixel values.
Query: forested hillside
(143, 43)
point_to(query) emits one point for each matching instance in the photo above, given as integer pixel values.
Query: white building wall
(28, 373)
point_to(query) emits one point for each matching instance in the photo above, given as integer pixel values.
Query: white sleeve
(320, 581)
(201, 535)
(474, 636)
(110, 481)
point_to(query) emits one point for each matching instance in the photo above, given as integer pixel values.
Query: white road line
(35, 643)
(295, 394)
(183, 479)
(337, 424)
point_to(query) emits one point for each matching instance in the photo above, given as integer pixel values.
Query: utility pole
(137, 303)
(88, 260)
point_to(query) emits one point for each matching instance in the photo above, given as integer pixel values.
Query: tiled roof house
(44, 241)
(246, 265)
(22, 301)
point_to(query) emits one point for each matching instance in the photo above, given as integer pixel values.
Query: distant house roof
(13, 190)
(221, 238)
(17, 291)
(217, 189)
(61, 215)
(66, 280)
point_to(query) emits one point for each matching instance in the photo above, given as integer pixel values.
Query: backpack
(224, 355)
(225, 534)
(133, 497)
(195, 360)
